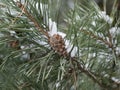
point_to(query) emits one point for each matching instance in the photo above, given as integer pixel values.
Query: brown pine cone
(57, 43)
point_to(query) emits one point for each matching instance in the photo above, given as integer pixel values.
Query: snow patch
(117, 50)
(114, 31)
(69, 47)
(115, 79)
(52, 27)
(12, 33)
(107, 18)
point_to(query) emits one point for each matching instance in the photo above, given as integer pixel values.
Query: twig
(22, 7)
(112, 47)
(96, 37)
(88, 73)
(110, 39)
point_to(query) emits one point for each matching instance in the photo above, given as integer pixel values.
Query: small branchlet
(36, 24)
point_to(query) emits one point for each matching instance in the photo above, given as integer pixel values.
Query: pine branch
(97, 37)
(65, 54)
(93, 76)
(23, 9)
(88, 73)
(108, 43)
(39, 66)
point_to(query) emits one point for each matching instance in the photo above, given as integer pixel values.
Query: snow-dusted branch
(24, 10)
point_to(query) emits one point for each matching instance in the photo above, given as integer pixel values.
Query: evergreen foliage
(29, 62)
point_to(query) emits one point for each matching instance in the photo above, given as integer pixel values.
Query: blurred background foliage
(27, 62)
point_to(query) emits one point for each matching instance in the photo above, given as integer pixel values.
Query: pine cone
(57, 43)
